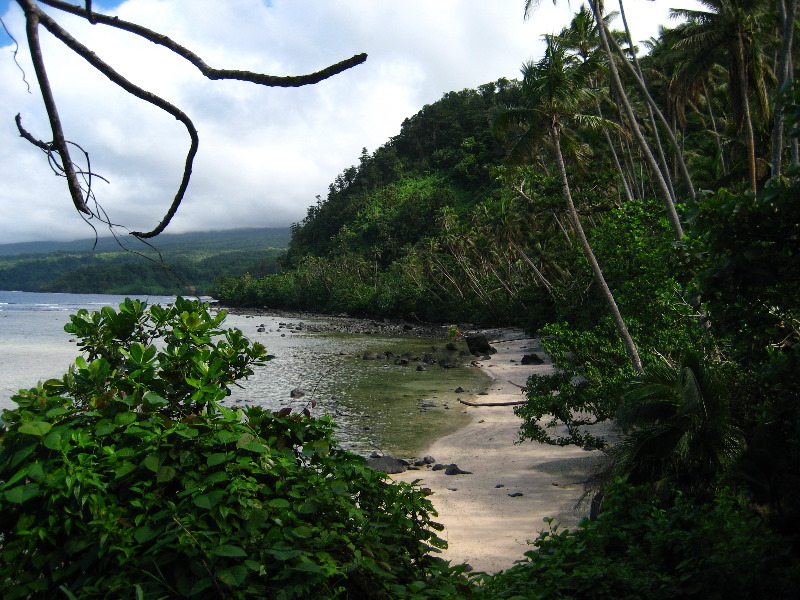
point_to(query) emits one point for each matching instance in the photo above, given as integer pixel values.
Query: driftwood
(514, 403)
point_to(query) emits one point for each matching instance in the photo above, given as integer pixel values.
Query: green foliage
(680, 430)
(640, 550)
(128, 479)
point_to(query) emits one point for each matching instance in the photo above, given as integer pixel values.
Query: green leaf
(287, 554)
(303, 532)
(218, 458)
(152, 463)
(209, 500)
(124, 469)
(39, 428)
(279, 503)
(255, 447)
(233, 576)
(105, 429)
(187, 432)
(215, 478)
(145, 533)
(164, 474)
(56, 412)
(154, 399)
(56, 438)
(22, 493)
(228, 550)
(125, 418)
(245, 439)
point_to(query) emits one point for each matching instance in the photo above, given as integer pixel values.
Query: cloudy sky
(265, 153)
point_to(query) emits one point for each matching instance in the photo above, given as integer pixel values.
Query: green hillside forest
(173, 264)
(636, 208)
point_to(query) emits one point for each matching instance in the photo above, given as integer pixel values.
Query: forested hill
(442, 158)
(175, 261)
(386, 240)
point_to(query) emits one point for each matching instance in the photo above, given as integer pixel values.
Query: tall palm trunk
(747, 117)
(788, 10)
(622, 329)
(638, 78)
(655, 170)
(714, 127)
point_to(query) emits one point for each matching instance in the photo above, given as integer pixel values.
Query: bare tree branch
(210, 72)
(34, 16)
(59, 144)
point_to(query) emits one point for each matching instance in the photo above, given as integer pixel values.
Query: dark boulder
(532, 359)
(387, 464)
(479, 344)
(454, 470)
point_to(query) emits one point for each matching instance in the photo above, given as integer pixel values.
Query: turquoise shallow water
(376, 404)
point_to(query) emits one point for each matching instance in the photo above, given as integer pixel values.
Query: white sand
(484, 526)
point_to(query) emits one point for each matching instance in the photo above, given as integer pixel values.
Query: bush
(128, 479)
(639, 549)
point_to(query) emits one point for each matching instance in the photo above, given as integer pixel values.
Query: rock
(499, 485)
(454, 470)
(401, 361)
(451, 346)
(479, 344)
(464, 353)
(429, 460)
(260, 330)
(453, 489)
(532, 359)
(516, 494)
(459, 390)
(421, 368)
(439, 467)
(448, 363)
(369, 355)
(297, 393)
(419, 463)
(387, 464)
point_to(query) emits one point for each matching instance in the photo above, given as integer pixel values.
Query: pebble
(516, 494)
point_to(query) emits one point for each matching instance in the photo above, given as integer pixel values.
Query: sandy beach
(485, 526)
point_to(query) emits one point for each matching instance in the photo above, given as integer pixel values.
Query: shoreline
(485, 527)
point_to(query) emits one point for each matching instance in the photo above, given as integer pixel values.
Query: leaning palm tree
(555, 89)
(679, 429)
(734, 34)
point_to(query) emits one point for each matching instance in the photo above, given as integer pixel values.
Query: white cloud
(265, 153)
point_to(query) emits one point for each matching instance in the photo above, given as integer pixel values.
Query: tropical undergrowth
(127, 478)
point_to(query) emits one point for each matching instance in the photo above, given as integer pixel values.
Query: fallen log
(514, 403)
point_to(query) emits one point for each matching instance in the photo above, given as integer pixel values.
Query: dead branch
(210, 72)
(34, 16)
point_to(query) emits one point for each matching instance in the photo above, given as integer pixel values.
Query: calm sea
(376, 405)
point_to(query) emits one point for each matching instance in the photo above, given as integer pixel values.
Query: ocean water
(376, 405)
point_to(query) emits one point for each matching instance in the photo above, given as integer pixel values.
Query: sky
(265, 153)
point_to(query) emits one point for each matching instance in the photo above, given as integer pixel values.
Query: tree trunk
(622, 329)
(787, 10)
(639, 79)
(748, 120)
(675, 221)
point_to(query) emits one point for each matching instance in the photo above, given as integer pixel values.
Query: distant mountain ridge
(245, 238)
(171, 264)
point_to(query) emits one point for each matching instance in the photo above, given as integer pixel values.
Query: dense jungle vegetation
(639, 213)
(175, 263)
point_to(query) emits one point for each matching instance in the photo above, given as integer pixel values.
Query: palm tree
(733, 34)
(554, 89)
(680, 432)
(616, 82)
